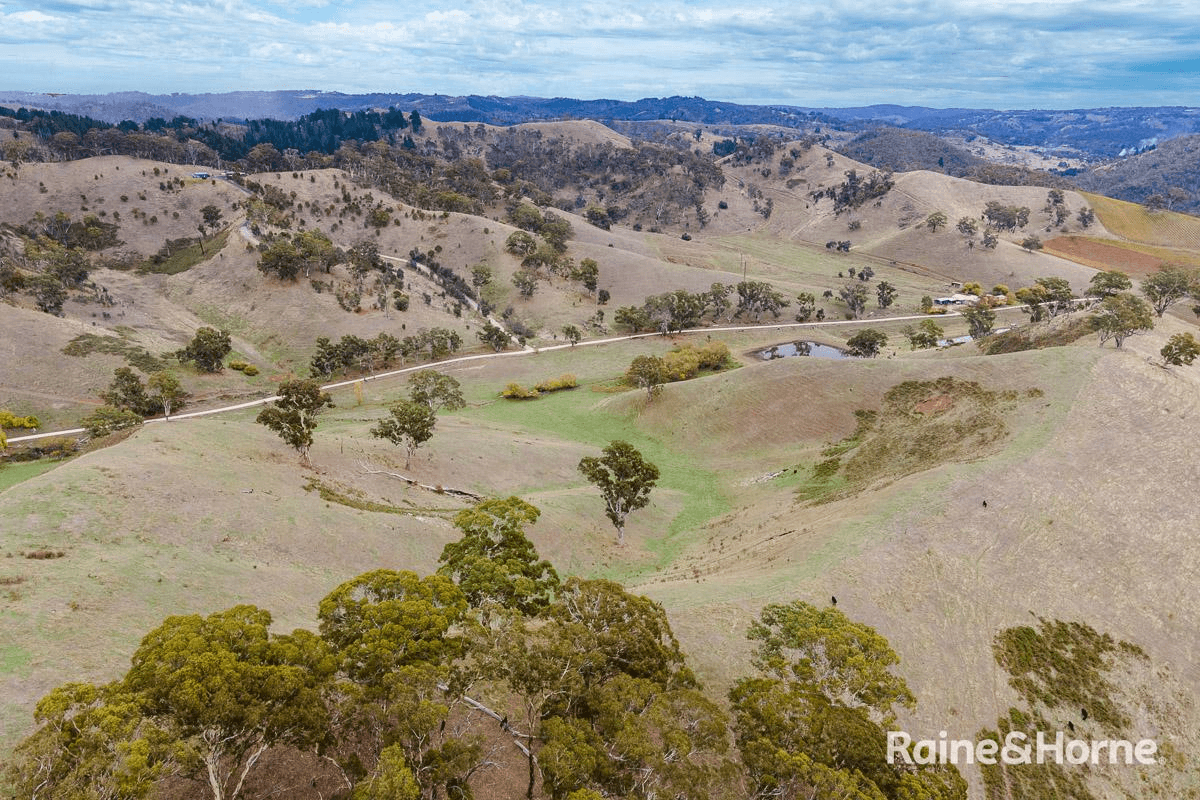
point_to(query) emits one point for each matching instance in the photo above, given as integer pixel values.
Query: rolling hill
(941, 495)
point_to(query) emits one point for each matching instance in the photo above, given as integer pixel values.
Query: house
(956, 299)
(200, 175)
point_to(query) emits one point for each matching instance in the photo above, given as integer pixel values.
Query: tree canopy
(624, 479)
(812, 722)
(1108, 283)
(1180, 350)
(1170, 284)
(854, 295)
(207, 349)
(387, 619)
(586, 677)
(230, 689)
(867, 343)
(410, 425)
(494, 561)
(1121, 316)
(437, 390)
(294, 415)
(649, 373)
(759, 297)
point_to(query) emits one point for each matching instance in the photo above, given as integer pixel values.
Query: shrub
(44, 555)
(713, 355)
(107, 419)
(681, 364)
(515, 391)
(54, 448)
(1180, 350)
(565, 381)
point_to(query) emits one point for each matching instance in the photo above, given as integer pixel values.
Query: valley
(942, 495)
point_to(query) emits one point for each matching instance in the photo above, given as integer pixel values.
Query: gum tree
(231, 690)
(163, 389)
(436, 390)
(207, 349)
(294, 415)
(624, 479)
(1121, 316)
(410, 425)
(494, 561)
(1168, 286)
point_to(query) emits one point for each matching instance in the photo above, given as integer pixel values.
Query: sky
(940, 53)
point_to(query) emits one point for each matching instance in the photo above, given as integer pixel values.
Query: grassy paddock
(12, 474)
(594, 420)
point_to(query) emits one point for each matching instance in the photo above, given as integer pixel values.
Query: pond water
(802, 348)
(967, 338)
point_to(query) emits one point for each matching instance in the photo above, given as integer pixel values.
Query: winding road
(529, 351)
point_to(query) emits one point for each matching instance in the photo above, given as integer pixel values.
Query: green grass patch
(772, 257)
(120, 345)
(582, 417)
(180, 255)
(825, 482)
(865, 422)
(13, 659)
(12, 474)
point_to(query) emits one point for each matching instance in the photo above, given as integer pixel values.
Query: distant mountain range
(1094, 134)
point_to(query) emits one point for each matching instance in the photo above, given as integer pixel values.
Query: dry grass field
(1082, 453)
(275, 324)
(199, 515)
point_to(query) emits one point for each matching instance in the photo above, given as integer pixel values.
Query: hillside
(944, 497)
(904, 150)
(1100, 133)
(1169, 170)
(753, 213)
(718, 542)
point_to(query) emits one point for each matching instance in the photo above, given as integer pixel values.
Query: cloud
(929, 52)
(31, 16)
(28, 27)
